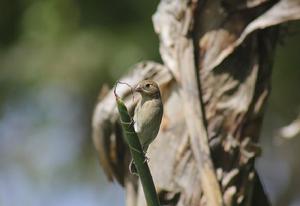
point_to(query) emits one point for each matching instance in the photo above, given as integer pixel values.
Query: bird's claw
(146, 158)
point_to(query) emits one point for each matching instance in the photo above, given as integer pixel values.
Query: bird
(147, 114)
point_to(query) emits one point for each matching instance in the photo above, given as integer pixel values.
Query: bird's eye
(148, 85)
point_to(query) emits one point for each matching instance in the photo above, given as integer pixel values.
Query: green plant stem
(137, 154)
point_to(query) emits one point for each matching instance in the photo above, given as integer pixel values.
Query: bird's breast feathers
(147, 119)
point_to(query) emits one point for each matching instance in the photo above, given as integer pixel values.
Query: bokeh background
(54, 57)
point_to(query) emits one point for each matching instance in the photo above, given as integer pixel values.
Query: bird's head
(148, 88)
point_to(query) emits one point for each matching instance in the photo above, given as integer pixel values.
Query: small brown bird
(148, 113)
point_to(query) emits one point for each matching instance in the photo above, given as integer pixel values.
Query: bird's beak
(138, 88)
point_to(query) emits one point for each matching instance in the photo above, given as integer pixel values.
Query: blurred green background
(54, 57)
